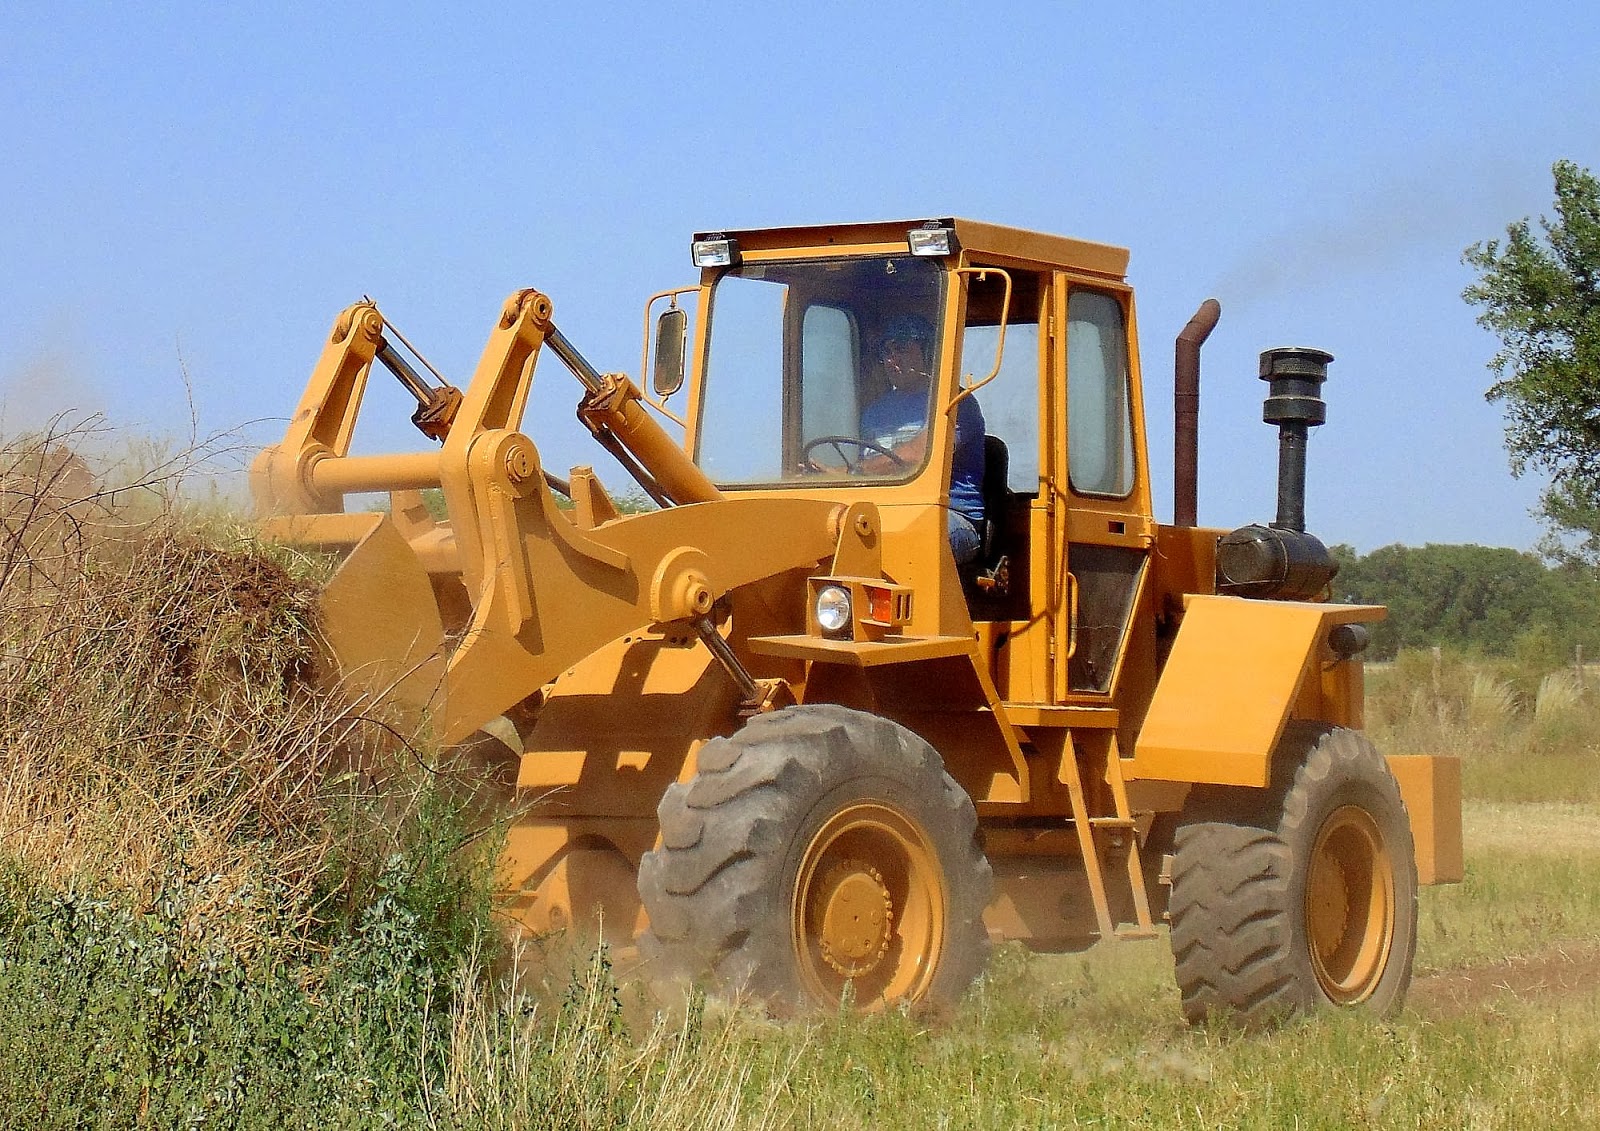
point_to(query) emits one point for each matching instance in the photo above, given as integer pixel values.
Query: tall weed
(227, 901)
(222, 893)
(1523, 733)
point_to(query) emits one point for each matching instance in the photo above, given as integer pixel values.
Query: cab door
(1008, 317)
(1103, 513)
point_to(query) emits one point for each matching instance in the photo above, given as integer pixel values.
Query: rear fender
(1238, 671)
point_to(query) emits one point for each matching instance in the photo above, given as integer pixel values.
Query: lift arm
(543, 592)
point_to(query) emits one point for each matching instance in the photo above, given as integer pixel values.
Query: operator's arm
(908, 453)
(895, 423)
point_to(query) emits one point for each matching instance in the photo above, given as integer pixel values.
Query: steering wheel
(838, 444)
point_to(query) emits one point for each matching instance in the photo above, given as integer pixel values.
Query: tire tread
(1239, 864)
(709, 887)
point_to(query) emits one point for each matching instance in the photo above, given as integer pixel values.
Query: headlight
(714, 250)
(833, 610)
(933, 238)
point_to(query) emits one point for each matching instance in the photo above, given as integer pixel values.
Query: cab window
(1099, 417)
(1011, 400)
(795, 366)
(828, 373)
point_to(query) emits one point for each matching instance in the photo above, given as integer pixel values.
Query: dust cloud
(49, 387)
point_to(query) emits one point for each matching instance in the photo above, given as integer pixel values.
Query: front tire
(1303, 898)
(819, 848)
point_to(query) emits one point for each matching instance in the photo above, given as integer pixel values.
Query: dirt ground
(1565, 968)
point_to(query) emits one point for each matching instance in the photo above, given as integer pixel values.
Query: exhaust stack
(1186, 412)
(1281, 561)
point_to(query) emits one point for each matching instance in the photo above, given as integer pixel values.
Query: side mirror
(672, 335)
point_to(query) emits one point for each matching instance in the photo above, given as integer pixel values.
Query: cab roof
(978, 240)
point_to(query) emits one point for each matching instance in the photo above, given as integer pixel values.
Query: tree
(1481, 599)
(1540, 294)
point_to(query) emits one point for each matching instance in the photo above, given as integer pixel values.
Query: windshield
(820, 369)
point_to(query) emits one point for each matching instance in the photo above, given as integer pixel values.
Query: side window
(1010, 402)
(828, 353)
(1099, 419)
(742, 381)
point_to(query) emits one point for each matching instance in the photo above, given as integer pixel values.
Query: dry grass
(155, 711)
(1523, 735)
(1550, 828)
(520, 1061)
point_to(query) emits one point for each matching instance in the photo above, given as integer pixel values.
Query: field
(1095, 1040)
(224, 903)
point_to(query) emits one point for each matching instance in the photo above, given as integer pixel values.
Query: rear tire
(819, 848)
(1303, 898)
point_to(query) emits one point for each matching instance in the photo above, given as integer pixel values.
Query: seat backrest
(996, 492)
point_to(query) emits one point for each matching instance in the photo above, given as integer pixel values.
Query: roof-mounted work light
(936, 237)
(715, 250)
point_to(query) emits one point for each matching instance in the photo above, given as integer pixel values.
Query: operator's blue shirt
(900, 414)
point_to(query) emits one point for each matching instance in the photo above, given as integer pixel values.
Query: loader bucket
(382, 636)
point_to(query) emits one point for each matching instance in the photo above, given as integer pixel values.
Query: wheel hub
(857, 913)
(1329, 907)
(868, 907)
(1350, 906)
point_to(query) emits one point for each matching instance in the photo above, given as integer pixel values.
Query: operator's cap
(907, 327)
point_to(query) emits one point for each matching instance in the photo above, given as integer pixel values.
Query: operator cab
(793, 363)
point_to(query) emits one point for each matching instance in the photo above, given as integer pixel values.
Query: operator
(897, 422)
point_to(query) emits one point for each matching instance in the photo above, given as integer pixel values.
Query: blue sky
(187, 188)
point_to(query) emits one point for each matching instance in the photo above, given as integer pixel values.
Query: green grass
(1533, 880)
(115, 1017)
(1133, 1071)
(1096, 1040)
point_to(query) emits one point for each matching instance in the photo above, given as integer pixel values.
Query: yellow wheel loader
(898, 662)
